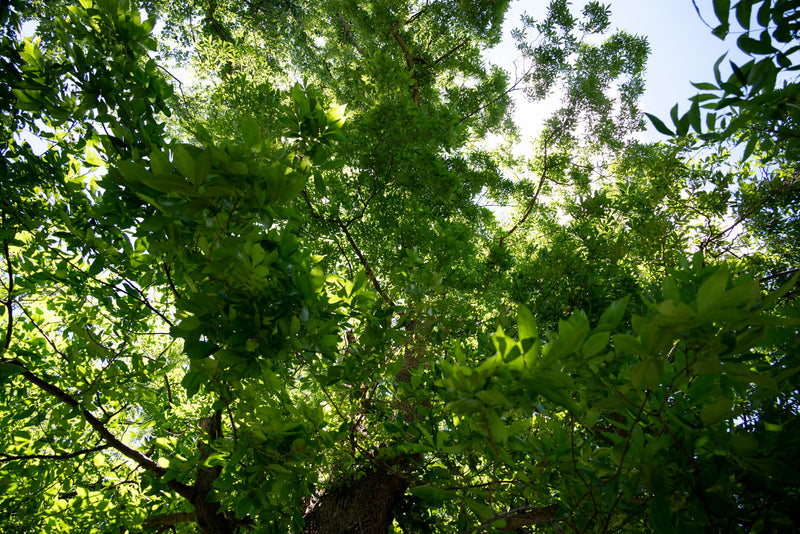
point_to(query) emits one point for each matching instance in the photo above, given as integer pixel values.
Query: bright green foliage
(246, 303)
(623, 424)
(754, 110)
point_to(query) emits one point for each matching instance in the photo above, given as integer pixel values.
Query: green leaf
(430, 493)
(493, 398)
(718, 411)
(722, 9)
(660, 514)
(159, 162)
(526, 324)
(744, 444)
(711, 121)
(170, 183)
(481, 509)
(775, 296)
(629, 344)
(659, 124)
(744, 11)
(705, 86)
(251, 132)
(717, 73)
(8, 370)
(595, 343)
(497, 427)
(647, 374)
(752, 46)
(238, 168)
(562, 398)
(764, 13)
(721, 31)
(183, 161)
(97, 266)
(192, 381)
(133, 172)
(712, 290)
(612, 315)
(750, 148)
(694, 117)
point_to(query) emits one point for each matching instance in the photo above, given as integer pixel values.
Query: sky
(682, 50)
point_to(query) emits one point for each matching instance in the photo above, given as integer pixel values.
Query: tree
(262, 305)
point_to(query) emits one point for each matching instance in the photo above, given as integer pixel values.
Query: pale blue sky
(682, 50)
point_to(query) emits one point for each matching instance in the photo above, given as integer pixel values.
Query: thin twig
(365, 263)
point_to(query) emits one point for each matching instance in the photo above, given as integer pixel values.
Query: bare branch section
(409, 62)
(343, 226)
(365, 263)
(514, 87)
(349, 33)
(531, 204)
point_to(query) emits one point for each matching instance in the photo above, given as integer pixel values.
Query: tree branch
(409, 61)
(451, 51)
(166, 520)
(498, 97)
(8, 303)
(779, 275)
(521, 517)
(415, 16)
(171, 283)
(365, 263)
(218, 29)
(111, 440)
(531, 204)
(349, 33)
(10, 457)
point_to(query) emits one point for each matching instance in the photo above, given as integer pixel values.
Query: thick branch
(112, 441)
(409, 62)
(349, 33)
(218, 29)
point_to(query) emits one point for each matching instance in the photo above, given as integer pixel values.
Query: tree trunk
(209, 514)
(362, 505)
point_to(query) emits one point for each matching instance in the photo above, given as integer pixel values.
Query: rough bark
(209, 515)
(364, 505)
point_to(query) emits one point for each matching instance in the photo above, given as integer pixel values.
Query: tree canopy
(276, 267)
